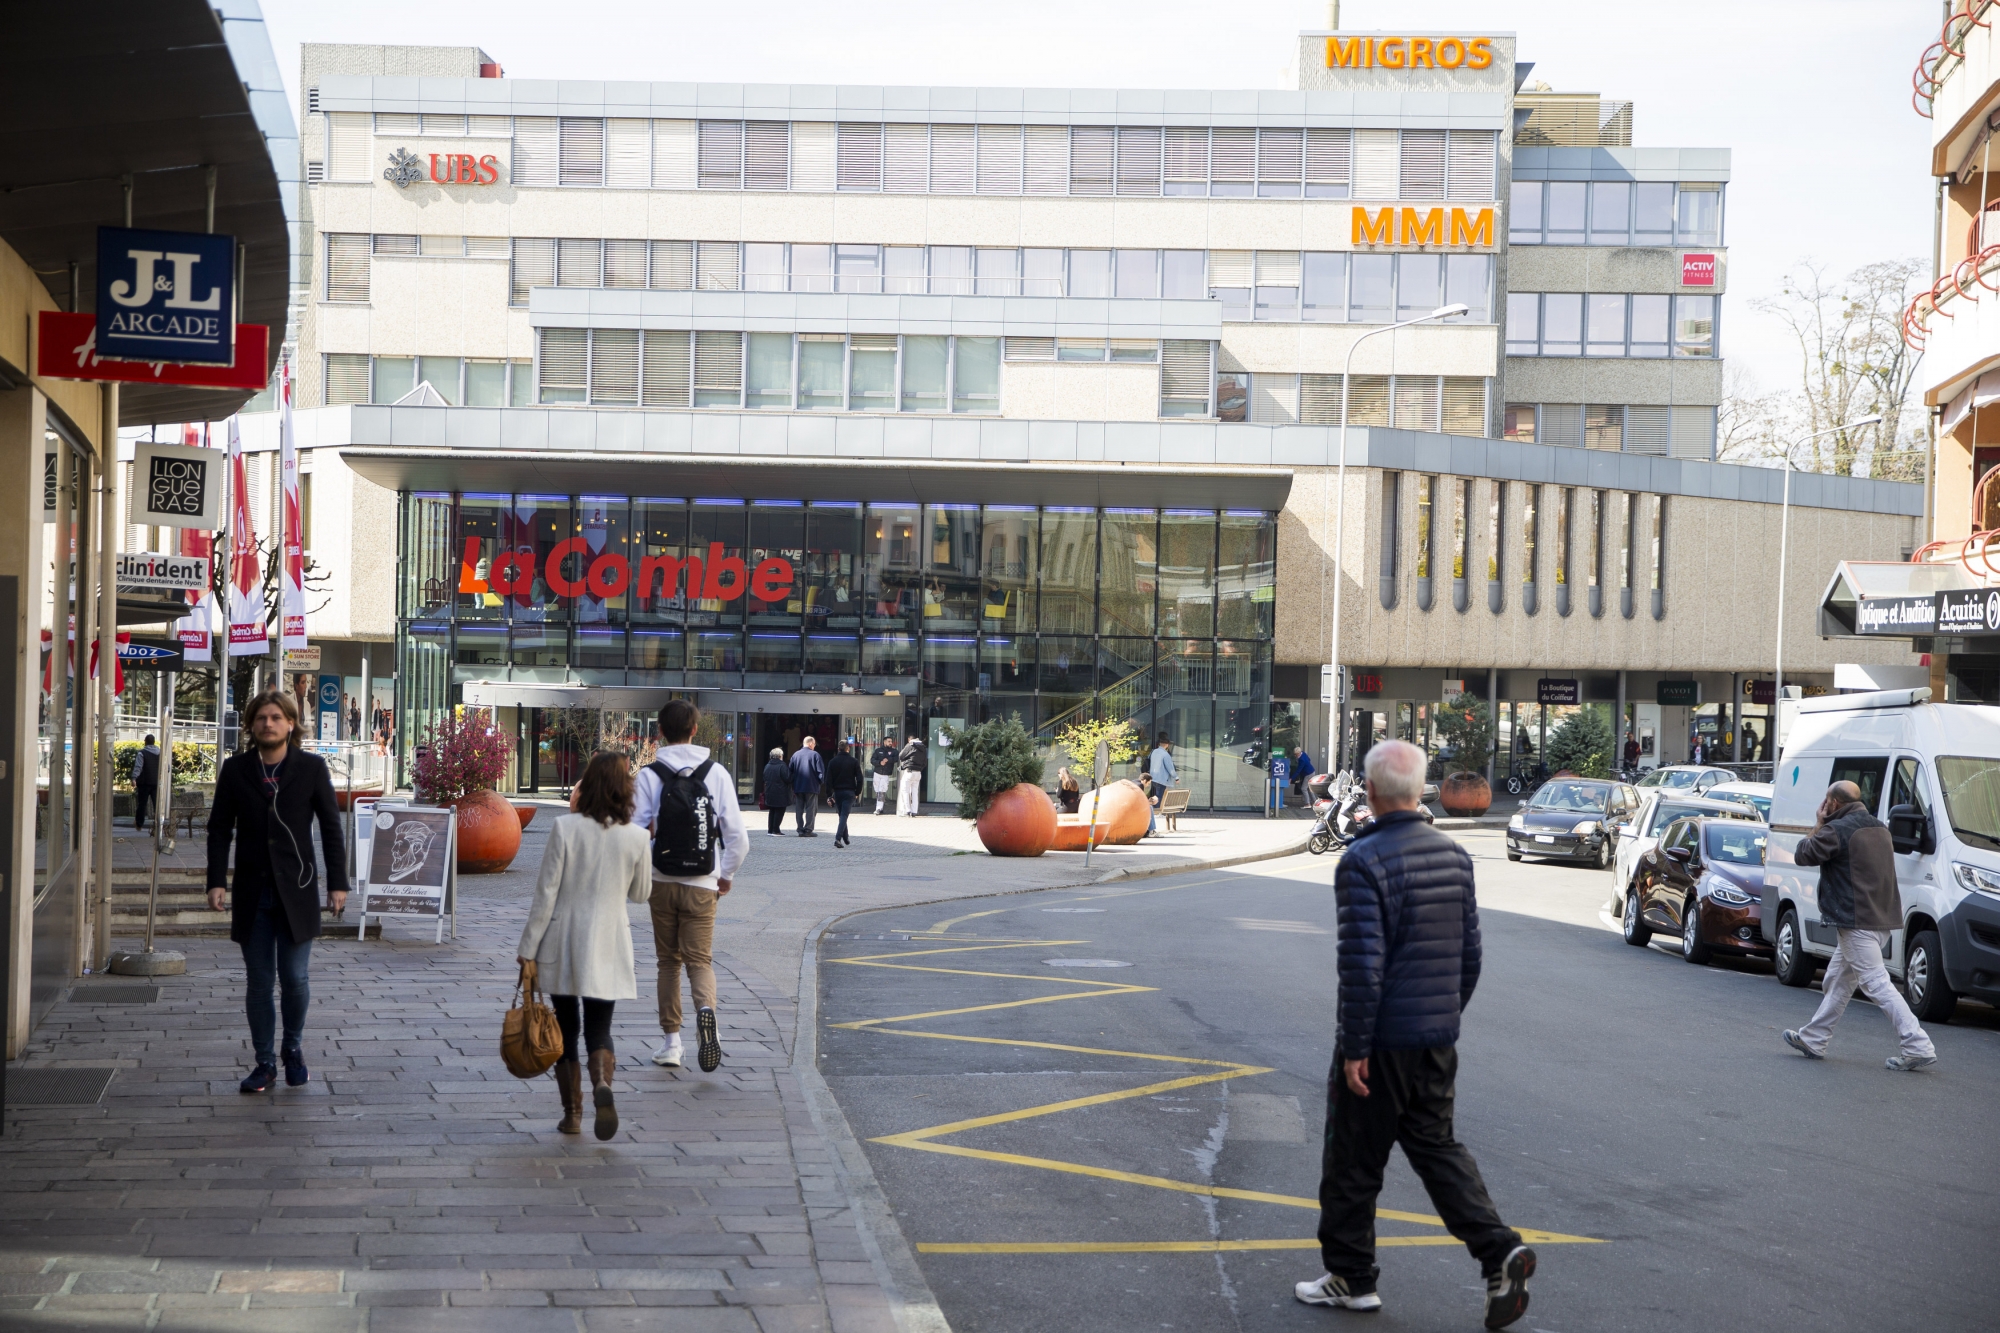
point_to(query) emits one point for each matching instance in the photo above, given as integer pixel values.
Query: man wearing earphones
(267, 798)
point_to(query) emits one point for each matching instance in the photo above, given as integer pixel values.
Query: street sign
(177, 486)
(1558, 692)
(1325, 684)
(301, 659)
(157, 571)
(166, 296)
(66, 348)
(1281, 769)
(1677, 692)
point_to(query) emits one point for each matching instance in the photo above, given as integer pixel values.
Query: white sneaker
(669, 1053)
(1331, 1290)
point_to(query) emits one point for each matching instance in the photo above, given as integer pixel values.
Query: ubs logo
(407, 169)
(404, 169)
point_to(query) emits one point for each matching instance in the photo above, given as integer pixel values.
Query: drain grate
(70, 1086)
(114, 993)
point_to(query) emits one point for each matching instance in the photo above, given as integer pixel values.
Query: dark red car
(1705, 883)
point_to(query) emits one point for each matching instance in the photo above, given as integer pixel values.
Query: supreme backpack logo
(685, 832)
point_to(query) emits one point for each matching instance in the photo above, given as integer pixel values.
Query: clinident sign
(571, 570)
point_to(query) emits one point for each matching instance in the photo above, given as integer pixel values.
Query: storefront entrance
(788, 731)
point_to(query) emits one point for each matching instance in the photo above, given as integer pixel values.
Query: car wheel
(1319, 842)
(1932, 999)
(1637, 933)
(1513, 855)
(1789, 957)
(1692, 947)
(1604, 855)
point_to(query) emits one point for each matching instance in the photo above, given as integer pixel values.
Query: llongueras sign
(573, 570)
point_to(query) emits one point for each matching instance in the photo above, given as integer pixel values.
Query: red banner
(66, 349)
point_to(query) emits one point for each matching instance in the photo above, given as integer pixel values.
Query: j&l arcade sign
(572, 570)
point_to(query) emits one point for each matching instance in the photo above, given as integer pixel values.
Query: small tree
(1078, 744)
(989, 758)
(460, 755)
(1583, 740)
(1467, 726)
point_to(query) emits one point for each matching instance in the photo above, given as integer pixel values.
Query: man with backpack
(808, 776)
(688, 803)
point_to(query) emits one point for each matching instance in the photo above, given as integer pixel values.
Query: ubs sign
(406, 169)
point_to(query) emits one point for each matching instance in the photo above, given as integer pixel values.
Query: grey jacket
(1857, 870)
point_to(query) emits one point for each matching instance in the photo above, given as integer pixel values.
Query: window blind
(1185, 368)
(813, 156)
(1562, 423)
(490, 127)
(1031, 349)
(767, 151)
(625, 263)
(346, 378)
(1274, 399)
(872, 342)
(1138, 160)
(906, 156)
(1367, 401)
(395, 245)
(435, 123)
(1694, 432)
(1416, 402)
(721, 154)
(1328, 157)
(347, 266)
(672, 267)
(451, 247)
(674, 155)
(1423, 164)
(1230, 268)
(565, 364)
(535, 152)
(1047, 160)
(861, 156)
(1472, 156)
(716, 266)
(579, 263)
(718, 364)
(999, 159)
(1279, 153)
(1377, 164)
(534, 266)
(951, 160)
(614, 367)
(1135, 349)
(398, 123)
(1646, 430)
(1319, 400)
(1090, 153)
(349, 149)
(1232, 156)
(667, 367)
(628, 153)
(1603, 426)
(1185, 154)
(1277, 268)
(1464, 409)
(487, 247)
(1079, 349)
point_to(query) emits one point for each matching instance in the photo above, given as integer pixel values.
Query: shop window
(660, 533)
(777, 532)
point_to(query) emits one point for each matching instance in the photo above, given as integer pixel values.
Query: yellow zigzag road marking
(921, 1140)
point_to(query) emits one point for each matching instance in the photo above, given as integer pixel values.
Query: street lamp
(1339, 727)
(1784, 532)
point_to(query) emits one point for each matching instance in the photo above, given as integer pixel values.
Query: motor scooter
(1341, 812)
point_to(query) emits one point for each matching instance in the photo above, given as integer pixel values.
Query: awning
(856, 479)
(1886, 598)
(541, 694)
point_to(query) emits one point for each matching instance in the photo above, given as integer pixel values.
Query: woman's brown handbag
(530, 1040)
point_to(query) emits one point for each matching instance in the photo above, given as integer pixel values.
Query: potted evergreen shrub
(1466, 725)
(998, 775)
(459, 761)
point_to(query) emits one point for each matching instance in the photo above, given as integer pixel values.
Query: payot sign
(1422, 226)
(1409, 52)
(573, 569)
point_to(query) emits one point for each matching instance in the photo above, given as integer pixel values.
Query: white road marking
(1287, 927)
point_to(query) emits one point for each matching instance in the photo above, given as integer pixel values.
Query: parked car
(1704, 882)
(1657, 810)
(1756, 795)
(1572, 819)
(1693, 779)
(1932, 773)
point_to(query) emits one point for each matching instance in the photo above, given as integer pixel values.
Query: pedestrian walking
(808, 779)
(1069, 795)
(688, 802)
(1408, 961)
(1160, 767)
(577, 934)
(267, 799)
(146, 782)
(1857, 897)
(777, 790)
(843, 784)
(910, 763)
(882, 768)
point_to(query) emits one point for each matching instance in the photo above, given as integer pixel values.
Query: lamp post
(1784, 533)
(1339, 727)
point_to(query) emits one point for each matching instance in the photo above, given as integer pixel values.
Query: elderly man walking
(1859, 898)
(808, 776)
(1409, 958)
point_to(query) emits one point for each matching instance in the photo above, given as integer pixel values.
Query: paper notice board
(408, 855)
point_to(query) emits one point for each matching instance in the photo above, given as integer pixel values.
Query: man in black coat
(267, 799)
(1409, 958)
(146, 782)
(882, 768)
(843, 784)
(777, 790)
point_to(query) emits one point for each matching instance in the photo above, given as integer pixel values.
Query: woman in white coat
(577, 934)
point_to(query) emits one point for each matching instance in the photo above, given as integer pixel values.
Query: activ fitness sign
(572, 570)
(1409, 52)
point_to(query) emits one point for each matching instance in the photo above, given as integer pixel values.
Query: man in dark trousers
(268, 798)
(808, 776)
(146, 782)
(843, 787)
(882, 768)
(1409, 958)
(1857, 897)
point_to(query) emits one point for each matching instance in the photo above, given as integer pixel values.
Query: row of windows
(1579, 537)
(356, 377)
(902, 158)
(1610, 324)
(1613, 213)
(857, 570)
(1451, 404)
(1686, 431)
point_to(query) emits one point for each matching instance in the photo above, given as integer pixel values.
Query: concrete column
(1618, 728)
(1736, 718)
(110, 535)
(1492, 712)
(23, 416)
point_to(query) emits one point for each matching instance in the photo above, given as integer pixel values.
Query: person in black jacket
(267, 799)
(146, 782)
(777, 790)
(1409, 958)
(843, 783)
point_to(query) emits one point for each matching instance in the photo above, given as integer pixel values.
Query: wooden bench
(1173, 803)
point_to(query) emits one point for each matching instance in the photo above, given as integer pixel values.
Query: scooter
(1340, 806)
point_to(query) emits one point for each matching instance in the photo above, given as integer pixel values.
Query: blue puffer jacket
(1409, 937)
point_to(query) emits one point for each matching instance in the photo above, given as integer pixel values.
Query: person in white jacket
(684, 910)
(577, 934)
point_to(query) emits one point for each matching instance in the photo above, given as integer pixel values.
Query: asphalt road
(1145, 1151)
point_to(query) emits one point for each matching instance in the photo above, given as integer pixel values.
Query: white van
(1932, 773)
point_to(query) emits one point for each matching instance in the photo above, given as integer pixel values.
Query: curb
(1152, 872)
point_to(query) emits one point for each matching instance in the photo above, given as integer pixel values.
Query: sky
(1830, 162)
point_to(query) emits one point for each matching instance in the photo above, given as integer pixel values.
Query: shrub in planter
(458, 762)
(998, 773)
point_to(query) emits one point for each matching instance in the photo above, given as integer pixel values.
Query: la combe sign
(572, 570)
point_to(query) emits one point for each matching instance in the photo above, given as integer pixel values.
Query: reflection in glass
(1127, 580)
(1069, 571)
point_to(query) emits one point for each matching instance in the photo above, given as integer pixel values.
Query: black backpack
(685, 832)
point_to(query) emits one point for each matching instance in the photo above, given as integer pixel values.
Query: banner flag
(249, 633)
(291, 546)
(196, 630)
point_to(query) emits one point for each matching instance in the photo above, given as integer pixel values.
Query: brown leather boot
(569, 1081)
(602, 1064)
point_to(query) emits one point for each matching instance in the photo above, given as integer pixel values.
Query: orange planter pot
(489, 833)
(1073, 835)
(527, 814)
(1121, 805)
(1465, 794)
(1020, 821)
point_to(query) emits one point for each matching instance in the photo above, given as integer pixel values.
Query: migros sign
(1392, 225)
(1409, 52)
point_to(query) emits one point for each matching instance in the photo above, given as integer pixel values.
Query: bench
(1173, 803)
